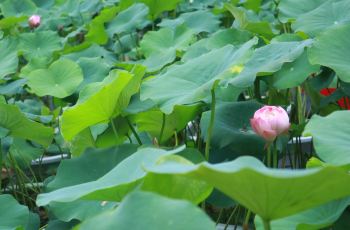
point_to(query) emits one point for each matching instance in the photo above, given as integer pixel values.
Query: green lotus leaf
(328, 15)
(97, 32)
(294, 73)
(198, 21)
(311, 219)
(14, 87)
(15, 216)
(24, 153)
(217, 40)
(275, 193)
(192, 81)
(60, 80)
(10, 22)
(251, 24)
(289, 10)
(160, 47)
(92, 51)
(94, 69)
(134, 17)
(102, 161)
(128, 175)
(153, 212)
(234, 131)
(8, 56)
(17, 8)
(269, 59)
(114, 185)
(151, 121)
(330, 136)
(103, 102)
(39, 44)
(20, 126)
(331, 49)
(156, 7)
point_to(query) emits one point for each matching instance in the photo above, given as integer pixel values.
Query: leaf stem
(211, 124)
(134, 132)
(230, 217)
(268, 163)
(275, 155)
(176, 139)
(114, 128)
(246, 219)
(121, 47)
(220, 215)
(267, 225)
(162, 128)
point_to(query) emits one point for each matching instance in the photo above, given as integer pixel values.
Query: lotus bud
(34, 21)
(270, 122)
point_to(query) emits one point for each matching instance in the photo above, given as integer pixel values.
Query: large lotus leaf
(101, 161)
(331, 49)
(156, 7)
(19, 125)
(94, 69)
(13, 87)
(46, 4)
(328, 15)
(312, 219)
(92, 51)
(330, 136)
(294, 73)
(198, 21)
(111, 97)
(81, 142)
(192, 81)
(159, 47)
(34, 64)
(59, 80)
(23, 152)
(10, 22)
(232, 127)
(97, 33)
(269, 59)
(114, 185)
(151, 121)
(17, 8)
(15, 216)
(252, 5)
(8, 56)
(217, 40)
(177, 186)
(245, 22)
(134, 17)
(79, 209)
(39, 44)
(275, 193)
(292, 9)
(152, 211)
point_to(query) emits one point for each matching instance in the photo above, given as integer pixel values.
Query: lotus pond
(174, 114)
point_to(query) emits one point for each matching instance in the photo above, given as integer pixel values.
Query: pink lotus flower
(269, 122)
(34, 21)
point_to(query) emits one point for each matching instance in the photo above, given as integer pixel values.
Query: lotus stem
(162, 129)
(267, 225)
(134, 132)
(275, 155)
(211, 124)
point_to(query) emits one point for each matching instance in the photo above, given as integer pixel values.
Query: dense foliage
(155, 106)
